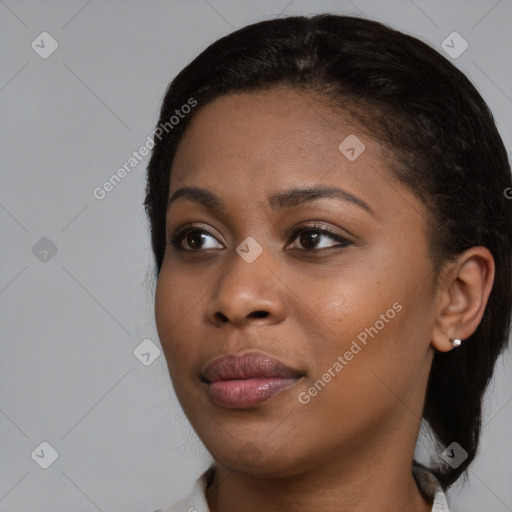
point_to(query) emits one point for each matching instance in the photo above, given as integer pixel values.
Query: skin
(351, 447)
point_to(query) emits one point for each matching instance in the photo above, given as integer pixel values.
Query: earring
(456, 342)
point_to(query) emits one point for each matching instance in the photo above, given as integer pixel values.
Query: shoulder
(196, 500)
(430, 487)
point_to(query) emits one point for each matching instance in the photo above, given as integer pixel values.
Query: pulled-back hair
(447, 151)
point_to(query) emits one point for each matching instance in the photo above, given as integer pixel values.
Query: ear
(464, 288)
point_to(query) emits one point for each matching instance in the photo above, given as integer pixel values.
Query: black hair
(447, 151)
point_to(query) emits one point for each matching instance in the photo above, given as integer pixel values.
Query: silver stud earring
(456, 342)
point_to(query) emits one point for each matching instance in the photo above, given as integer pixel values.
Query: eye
(310, 238)
(194, 237)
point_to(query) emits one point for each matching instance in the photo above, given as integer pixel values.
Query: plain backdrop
(76, 290)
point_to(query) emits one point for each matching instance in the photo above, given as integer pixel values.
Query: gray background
(70, 321)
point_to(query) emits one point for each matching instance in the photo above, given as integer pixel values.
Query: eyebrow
(280, 200)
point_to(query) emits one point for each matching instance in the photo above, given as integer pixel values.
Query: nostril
(221, 316)
(259, 314)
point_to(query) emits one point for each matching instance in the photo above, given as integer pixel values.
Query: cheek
(165, 306)
(370, 318)
(175, 307)
(383, 354)
(341, 306)
(177, 297)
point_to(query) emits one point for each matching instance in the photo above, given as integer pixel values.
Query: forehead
(245, 146)
(275, 130)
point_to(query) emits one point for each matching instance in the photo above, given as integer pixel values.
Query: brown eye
(194, 238)
(310, 238)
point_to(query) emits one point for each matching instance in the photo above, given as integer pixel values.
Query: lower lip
(246, 393)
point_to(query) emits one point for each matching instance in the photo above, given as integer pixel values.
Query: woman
(332, 241)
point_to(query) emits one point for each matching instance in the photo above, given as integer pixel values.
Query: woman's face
(349, 311)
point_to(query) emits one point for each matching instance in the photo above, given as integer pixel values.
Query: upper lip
(246, 366)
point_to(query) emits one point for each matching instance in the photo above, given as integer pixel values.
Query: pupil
(309, 239)
(194, 240)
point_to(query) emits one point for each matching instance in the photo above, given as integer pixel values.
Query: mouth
(247, 380)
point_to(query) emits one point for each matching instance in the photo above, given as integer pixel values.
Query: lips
(246, 380)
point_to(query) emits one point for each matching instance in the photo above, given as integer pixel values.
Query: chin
(248, 458)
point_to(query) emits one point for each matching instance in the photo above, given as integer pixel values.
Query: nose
(247, 293)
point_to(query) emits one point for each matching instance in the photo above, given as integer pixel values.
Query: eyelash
(178, 237)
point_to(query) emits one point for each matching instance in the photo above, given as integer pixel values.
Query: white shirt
(196, 501)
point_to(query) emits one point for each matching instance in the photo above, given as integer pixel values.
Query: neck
(373, 476)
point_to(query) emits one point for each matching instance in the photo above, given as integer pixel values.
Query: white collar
(430, 487)
(196, 501)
